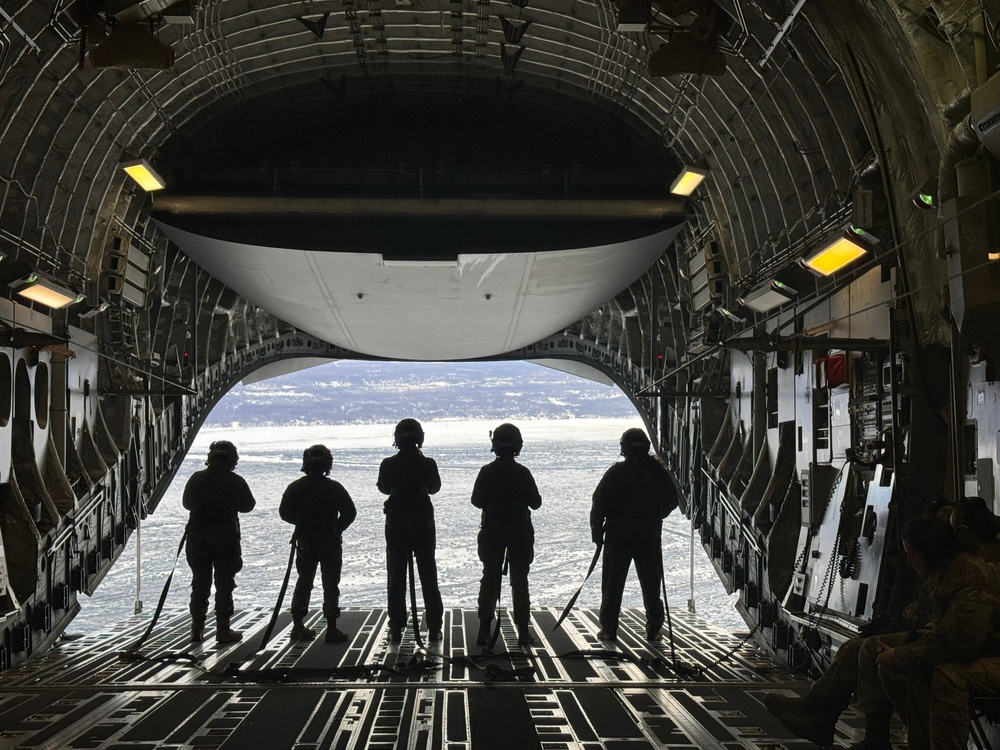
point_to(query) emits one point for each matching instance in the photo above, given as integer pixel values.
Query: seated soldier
(977, 528)
(938, 700)
(962, 627)
(953, 580)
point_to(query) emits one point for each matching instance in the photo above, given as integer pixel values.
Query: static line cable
(185, 391)
(820, 298)
(137, 605)
(691, 602)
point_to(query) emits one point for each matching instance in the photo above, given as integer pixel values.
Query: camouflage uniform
(936, 661)
(946, 699)
(841, 679)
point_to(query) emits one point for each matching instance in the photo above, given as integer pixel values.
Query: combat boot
(334, 634)
(876, 733)
(197, 628)
(223, 634)
(779, 703)
(299, 630)
(817, 728)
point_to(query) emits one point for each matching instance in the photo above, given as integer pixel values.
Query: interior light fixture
(633, 15)
(181, 12)
(95, 310)
(926, 196)
(146, 177)
(727, 313)
(839, 251)
(687, 54)
(688, 180)
(38, 288)
(768, 296)
(132, 45)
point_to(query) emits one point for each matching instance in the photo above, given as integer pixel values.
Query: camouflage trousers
(854, 670)
(938, 702)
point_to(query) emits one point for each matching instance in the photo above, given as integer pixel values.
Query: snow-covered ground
(566, 456)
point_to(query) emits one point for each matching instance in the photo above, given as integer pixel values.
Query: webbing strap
(413, 603)
(281, 596)
(572, 601)
(495, 635)
(163, 598)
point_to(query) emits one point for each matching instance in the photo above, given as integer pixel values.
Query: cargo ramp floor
(569, 690)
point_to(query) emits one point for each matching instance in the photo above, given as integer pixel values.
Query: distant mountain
(351, 392)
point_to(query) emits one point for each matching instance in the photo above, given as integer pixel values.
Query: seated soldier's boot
(876, 733)
(867, 744)
(223, 633)
(197, 628)
(299, 630)
(334, 634)
(779, 703)
(483, 636)
(817, 728)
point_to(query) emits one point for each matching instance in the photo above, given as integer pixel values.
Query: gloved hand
(597, 535)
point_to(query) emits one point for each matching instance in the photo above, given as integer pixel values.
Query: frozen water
(566, 456)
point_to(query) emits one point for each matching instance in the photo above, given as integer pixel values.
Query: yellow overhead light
(37, 288)
(835, 254)
(688, 181)
(146, 177)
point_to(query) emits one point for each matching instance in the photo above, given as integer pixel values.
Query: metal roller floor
(568, 691)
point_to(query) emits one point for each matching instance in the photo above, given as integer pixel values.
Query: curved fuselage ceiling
(472, 305)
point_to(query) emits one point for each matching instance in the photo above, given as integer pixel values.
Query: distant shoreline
(439, 433)
(383, 392)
